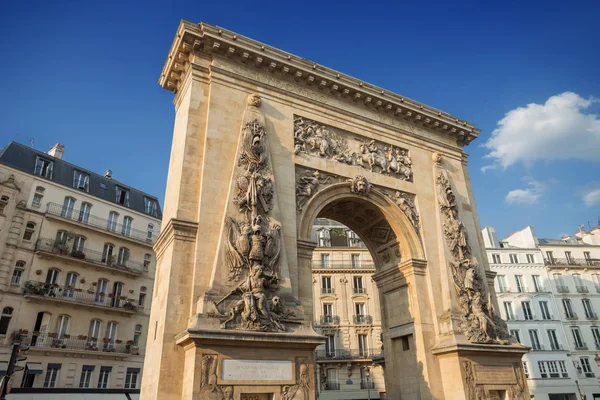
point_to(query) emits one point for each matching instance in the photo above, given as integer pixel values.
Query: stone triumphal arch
(264, 142)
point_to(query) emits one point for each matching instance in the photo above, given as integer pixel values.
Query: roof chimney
(108, 174)
(57, 151)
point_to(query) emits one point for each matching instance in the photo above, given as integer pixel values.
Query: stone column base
(227, 364)
(486, 371)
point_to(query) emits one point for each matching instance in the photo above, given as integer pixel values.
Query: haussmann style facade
(76, 274)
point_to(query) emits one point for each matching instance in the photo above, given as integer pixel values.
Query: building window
(553, 339)
(67, 208)
(137, 334)
(496, 258)
(43, 168)
(587, 307)
(142, 298)
(113, 217)
(5, 319)
(527, 310)
(325, 260)
(526, 369)
(355, 260)
(519, 281)
(553, 369)
(508, 310)
(332, 379)
(596, 335)
(126, 228)
(79, 246)
(111, 335)
(84, 213)
(537, 286)
(550, 257)
(353, 239)
(29, 231)
(150, 232)
(51, 375)
(545, 310)
(104, 377)
(501, 279)
(107, 254)
(358, 284)
(131, 378)
(568, 257)
(86, 376)
(577, 338)
(363, 349)
(535, 340)
(327, 311)
(3, 204)
(116, 294)
(122, 196)
(587, 257)
(326, 285)
(530, 259)
(147, 260)
(81, 181)
(587, 367)
(52, 276)
(515, 333)
(123, 256)
(70, 285)
(18, 273)
(330, 345)
(568, 308)
(150, 206)
(62, 325)
(94, 334)
(514, 259)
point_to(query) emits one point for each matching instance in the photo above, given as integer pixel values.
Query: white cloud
(592, 198)
(555, 130)
(527, 196)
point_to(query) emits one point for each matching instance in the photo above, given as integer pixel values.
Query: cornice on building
(211, 40)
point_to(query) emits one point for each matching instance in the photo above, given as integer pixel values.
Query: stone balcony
(361, 265)
(35, 290)
(362, 320)
(582, 289)
(591, 316)
(562, 289)
(571, 316)
(580, 262)
(45, 342)
(345, 355)
(329, 320)
(87, 220)
(580, 346)
(51, 248)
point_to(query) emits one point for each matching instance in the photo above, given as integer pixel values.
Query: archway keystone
(263, 144)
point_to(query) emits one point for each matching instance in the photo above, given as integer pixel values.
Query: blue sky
(85, 74)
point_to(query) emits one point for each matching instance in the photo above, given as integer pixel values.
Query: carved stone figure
(478, 322)
(313, 138)
(407, 206)
(208, 380)
(299, 391)
(360, 185)
(307, 185)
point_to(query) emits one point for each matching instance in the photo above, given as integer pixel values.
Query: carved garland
(316, 139)
(478, 323)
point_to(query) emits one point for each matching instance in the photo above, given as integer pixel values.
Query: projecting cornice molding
(210, 40)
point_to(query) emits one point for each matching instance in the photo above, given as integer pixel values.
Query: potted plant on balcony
(23, 331)
(78, 290)
(91, 291)
(106, 340)
(123, 297)
(52, 334)
(129, 306)
(66, 336)
(82, 337)
(78, 254)
(118, 341)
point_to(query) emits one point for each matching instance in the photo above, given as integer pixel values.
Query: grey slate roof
(23, 158)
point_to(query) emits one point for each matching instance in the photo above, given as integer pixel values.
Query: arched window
(68, 206)
(150, 232)
(3, 203)
(112, 221)
(5, 319)
(94, 333)
(78, 246)
(142, 297)
(126, 228)
(29, 230)
(123, 256)
(70, 285)
(18, 272)
(62, 325)
(147, 260)
(137, 334)
(84, 213)
(101, 291)
(52, 276)
(107, 254)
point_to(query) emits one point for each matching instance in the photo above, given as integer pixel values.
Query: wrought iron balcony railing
(580, 346)
(85, 218)
(358, 290)
(562, 289)
(571, 315)
(582, 289)
(332, 386)
(327, 290)
(362, 319)
(76, 295)
(343, 265)
(591, 315)
(330, 320)
(556, 346)
(91, 256)
(538, 347)
(43, 341)
(367, 385)
(592, 262)
(345, 354)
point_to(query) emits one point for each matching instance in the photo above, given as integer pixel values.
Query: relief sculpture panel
(313, 138)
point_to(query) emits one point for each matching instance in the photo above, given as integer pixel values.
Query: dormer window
(150, 206)
(43, 168)
(81, 181)
(122, 196)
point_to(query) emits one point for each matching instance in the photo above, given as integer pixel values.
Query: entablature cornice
(211, 40)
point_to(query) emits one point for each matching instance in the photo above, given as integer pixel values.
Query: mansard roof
(213, 40)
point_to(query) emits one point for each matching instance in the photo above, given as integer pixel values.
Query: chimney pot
(57, 151)
(108, 174)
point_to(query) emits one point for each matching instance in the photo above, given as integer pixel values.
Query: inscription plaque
(255, 396)
(257, 370)
(495, 374)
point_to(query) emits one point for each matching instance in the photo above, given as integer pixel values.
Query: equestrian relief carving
(478, 322)
(253, 243)
(313, 138)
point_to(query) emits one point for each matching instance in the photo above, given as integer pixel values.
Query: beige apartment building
(76, 274)
(346, 310)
